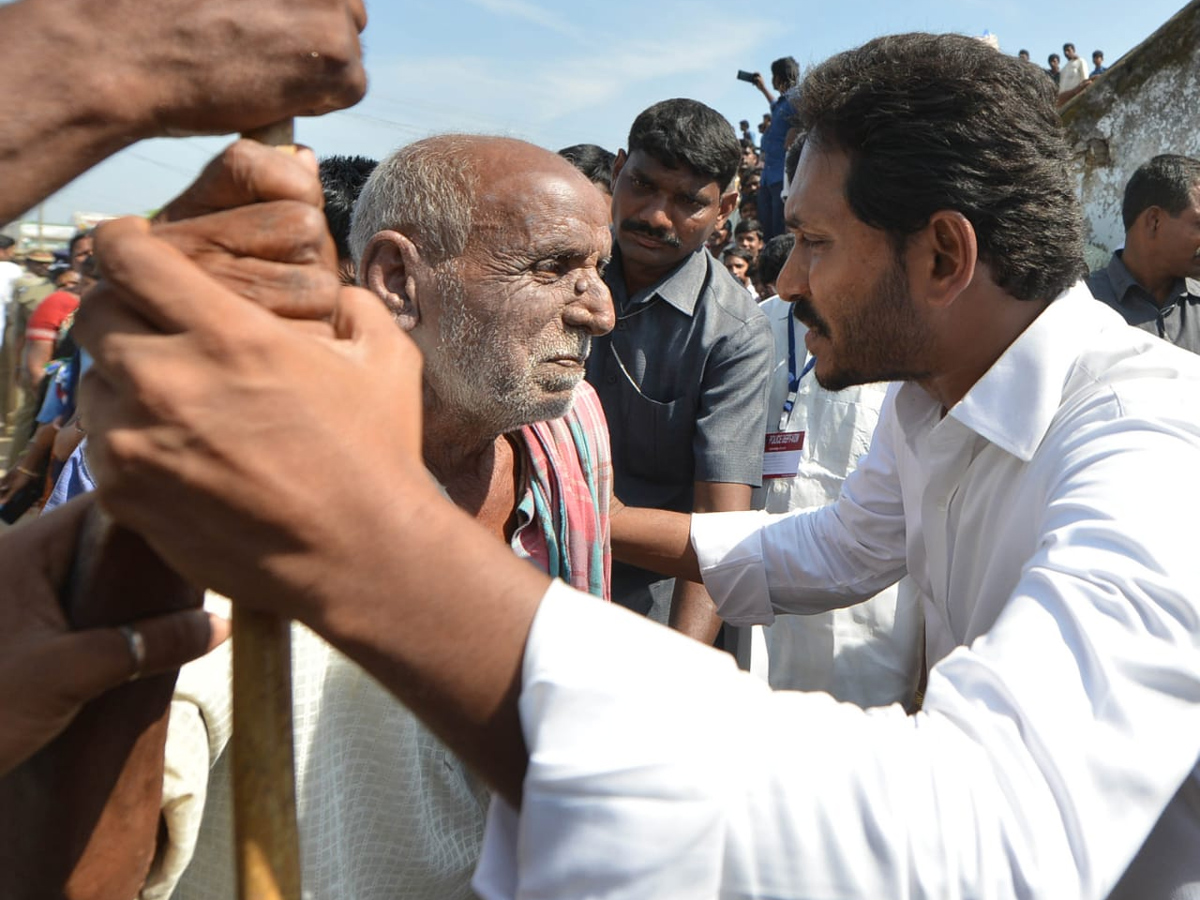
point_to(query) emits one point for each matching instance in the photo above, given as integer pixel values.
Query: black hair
(683, 132)
(787, 70)
(772, 257)
(1022, 50)
(1099, 53)
(748, 225)
(1052, 57)
(739, 253)
(791, 162)
(1066, 45)
(945, 122)
(6, 242)
(593, 161)
(1166, 181)
(342, 180)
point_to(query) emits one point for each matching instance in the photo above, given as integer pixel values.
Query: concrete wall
(1147, 103)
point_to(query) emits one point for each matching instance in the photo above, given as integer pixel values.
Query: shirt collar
(1015, 401)
(1123, 281)
(680, 287)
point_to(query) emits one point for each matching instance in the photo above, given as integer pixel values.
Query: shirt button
(620, 326)
(611, 379)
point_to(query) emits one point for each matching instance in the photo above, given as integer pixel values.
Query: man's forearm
(692, 609)
(693, 612)
(654, 539)
(54, 131)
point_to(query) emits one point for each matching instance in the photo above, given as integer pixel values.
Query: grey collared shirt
(1177, 320)
(683, 379)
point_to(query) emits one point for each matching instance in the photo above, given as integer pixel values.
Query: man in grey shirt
(683, 376)
(1152, 282)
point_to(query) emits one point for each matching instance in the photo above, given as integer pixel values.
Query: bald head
(435, 191)
(489, 252)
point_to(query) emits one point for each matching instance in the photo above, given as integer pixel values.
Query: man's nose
(792, 282)
(592, 306)
(656, 213)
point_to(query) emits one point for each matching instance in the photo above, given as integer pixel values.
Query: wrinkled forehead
(533, 207)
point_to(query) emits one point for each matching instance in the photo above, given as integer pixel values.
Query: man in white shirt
(1074, 76)
(1055, 754)
(9, 273)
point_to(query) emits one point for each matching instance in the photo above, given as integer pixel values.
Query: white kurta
(1061, 726)
(384, 809)
(868, 653)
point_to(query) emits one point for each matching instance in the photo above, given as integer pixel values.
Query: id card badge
(781, 455)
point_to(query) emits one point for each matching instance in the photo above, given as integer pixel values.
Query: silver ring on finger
(137, 649)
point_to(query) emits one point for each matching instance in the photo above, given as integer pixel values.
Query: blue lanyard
(794, 378)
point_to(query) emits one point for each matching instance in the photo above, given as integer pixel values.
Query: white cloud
(529, 12)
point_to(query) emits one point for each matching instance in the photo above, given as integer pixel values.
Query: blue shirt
(774, 142)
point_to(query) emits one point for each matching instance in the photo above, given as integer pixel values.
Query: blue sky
(558, 73)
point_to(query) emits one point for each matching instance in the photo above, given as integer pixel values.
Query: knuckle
(310, 231)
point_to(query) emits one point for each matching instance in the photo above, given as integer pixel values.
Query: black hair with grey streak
(945, 122)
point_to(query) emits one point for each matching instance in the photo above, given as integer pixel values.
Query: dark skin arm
(692, 610)
(37, 356)
(654, 539)
(153, 75)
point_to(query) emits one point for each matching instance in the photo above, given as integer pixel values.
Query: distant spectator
(785, 72)
(719, 239)
(737, 263)
(764, 124)
(10, 271)
(593, 161)
(1023, 54)
(67, 280)
(751, 183)
(749, 237)
(747, 137)
(1150, 282)
(750, 159)
(1074, 75)
(79, 250)
(748, 206)
(28, 292)
(771, 261)
(342, 179)
(1098, 63)
(1053, 71)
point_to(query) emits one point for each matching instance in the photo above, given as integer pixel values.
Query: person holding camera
(785, 72)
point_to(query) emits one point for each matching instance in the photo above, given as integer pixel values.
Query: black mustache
(659, 234)
(802, 310)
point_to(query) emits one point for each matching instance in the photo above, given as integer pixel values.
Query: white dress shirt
(1074, 73)
(1061, 726)
(868, 653)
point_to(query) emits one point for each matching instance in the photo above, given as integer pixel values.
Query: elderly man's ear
(389, 270)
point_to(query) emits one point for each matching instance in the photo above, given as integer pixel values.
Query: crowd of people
(1072, 78)
(863, 409)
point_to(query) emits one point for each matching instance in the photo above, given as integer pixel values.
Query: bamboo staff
(264, 780)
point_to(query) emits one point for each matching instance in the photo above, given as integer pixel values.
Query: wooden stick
(264, 779)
